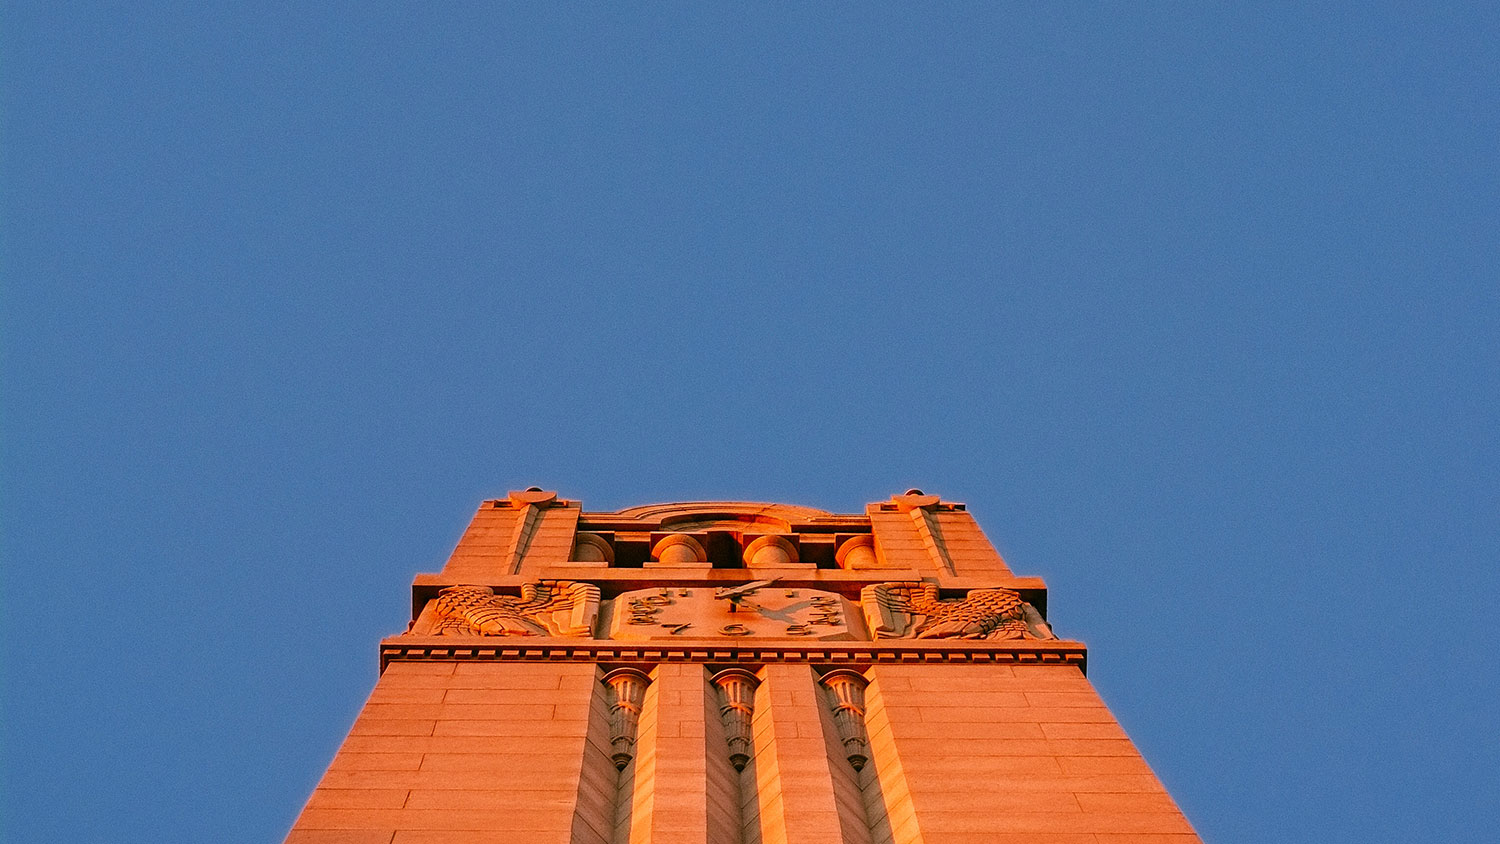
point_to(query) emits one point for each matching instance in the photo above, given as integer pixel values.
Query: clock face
(767, 612)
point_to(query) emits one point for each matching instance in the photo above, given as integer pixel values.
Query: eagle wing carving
(545, 608)
(914, 611)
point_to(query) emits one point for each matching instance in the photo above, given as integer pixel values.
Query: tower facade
(733, 673)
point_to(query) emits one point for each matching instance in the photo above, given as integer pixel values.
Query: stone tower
(733, 673)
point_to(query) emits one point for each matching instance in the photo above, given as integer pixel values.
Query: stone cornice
(720, 652)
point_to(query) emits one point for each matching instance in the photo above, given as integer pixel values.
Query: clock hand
(734, 594)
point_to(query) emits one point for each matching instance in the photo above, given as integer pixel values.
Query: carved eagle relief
(913, 611)
(545, 608)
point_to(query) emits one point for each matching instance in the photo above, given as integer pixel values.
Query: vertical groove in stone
(520, 537)
(798, 795)
(759, 777)
(764, 814)
(854, 815)
(684, 791)
(721, 779)
(621, 695)
(594, 808)
(888, 799)
(638, 780)
(550, 542)
(932, 538)
(625, 796)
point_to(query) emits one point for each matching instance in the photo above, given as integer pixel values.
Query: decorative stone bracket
(628, 689)
(737, 707)
(847, 688)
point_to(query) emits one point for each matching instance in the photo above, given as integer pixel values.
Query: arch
(685, 512)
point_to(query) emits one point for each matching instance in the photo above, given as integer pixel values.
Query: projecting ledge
(623, 579)
(721, 651)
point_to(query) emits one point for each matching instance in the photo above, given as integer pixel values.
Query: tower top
(732, 671)
(818, 576)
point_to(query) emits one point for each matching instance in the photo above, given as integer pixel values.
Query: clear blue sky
(1197, 309)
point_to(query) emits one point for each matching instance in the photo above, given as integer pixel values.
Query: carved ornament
(545, 608)
(627, 687)
(846, 689)
(914, 611)
(737, 709)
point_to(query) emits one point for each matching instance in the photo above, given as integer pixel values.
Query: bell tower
(733, 673)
